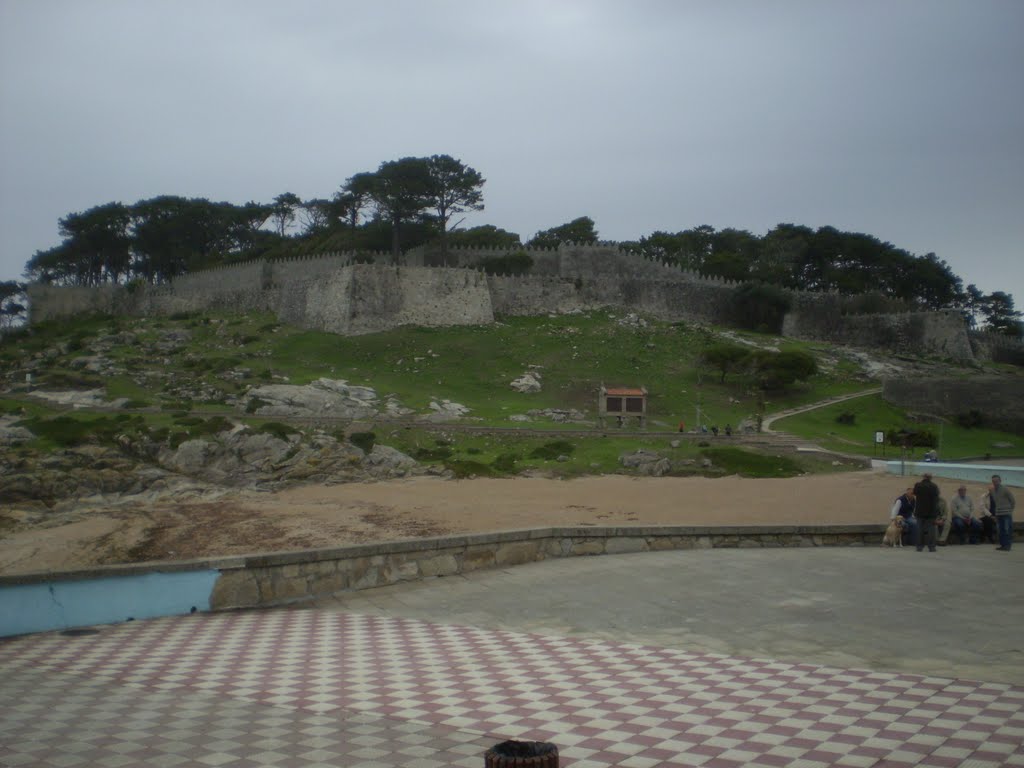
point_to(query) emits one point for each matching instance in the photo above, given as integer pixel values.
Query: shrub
(778, 370)
(363, 440)
(506, 463)
(915, 438)
(77, 342)
(463, 468)
(552, 450)
(278, 430)
(255, 404)
(761, 307)
(971, 420)
(66, 380)
(67, 431)
(432, 454)
(177, 438)
(748, 464)
(725, 358)
(212, 426)
(847, 417)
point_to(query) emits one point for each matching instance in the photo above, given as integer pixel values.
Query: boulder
(323, 397)
(446, 410)
(646, 462)
(528, 383)
(172, 340)
(384, 462)
(12, 435)
(87, 398)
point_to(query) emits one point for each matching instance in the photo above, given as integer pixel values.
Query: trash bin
(522, 754)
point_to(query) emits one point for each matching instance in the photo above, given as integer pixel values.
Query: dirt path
(769, 419)
(324, 516)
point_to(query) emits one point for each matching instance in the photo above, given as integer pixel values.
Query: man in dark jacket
(926, 494)
(904, 507)
(1002, 502)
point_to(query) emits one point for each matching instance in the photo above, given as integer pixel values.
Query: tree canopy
(579, 230)
(413, 200)
(12, 306)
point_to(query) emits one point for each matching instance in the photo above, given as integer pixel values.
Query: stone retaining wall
(252, 581)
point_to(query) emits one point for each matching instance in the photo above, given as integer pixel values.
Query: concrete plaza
(722, 658)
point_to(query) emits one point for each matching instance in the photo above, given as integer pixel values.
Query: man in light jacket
(961, 518)
(1002, 507)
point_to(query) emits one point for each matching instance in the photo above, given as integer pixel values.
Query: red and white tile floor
(303, 688)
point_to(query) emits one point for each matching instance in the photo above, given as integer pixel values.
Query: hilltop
(109, 413)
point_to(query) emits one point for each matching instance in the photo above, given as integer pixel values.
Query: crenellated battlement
(354, 292)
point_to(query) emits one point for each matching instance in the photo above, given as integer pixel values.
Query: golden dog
(894, 533)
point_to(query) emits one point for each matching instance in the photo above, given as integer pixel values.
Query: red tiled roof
(624, 392)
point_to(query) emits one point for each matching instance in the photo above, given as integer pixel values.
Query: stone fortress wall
(357, 293)
(998, 398)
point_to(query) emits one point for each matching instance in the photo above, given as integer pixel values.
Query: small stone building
(622, 404)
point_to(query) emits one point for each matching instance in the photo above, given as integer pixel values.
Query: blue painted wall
(979, 473)
(63, 604)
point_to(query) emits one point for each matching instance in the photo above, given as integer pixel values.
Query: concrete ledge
(278, 578)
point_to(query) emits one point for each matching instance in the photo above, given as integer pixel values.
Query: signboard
(879, 437)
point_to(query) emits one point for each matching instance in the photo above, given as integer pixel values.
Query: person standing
(926, 494)
(1002, 507)
(988, 520)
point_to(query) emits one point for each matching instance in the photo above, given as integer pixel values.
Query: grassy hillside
(574, 354)
(872, 413)
(206, 362)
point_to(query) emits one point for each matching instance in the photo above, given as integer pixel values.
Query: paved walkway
(720, 658)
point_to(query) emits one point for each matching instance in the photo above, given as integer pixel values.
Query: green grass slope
(206, 362)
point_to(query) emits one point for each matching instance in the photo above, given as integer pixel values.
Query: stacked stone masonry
(358, 293)
(289, 577)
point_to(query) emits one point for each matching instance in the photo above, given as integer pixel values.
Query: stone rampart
(366, 298)
(941, 334)
(52, 302)
(1001, 399)
(993, 347)
(353, 293)
(240, 287)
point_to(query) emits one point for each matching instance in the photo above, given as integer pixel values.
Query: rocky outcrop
(246, 459)
(646, 462)
(528, 383)
(74, 474)
(89, 398)
(203, 467)
(445, 410)
(11, 434)
(323, 397)
(384, 462)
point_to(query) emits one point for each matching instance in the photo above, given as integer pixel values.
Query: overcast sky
(901, 119)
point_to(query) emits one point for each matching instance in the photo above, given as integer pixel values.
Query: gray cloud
(902, 120)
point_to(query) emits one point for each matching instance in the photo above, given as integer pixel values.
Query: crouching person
(904, 507)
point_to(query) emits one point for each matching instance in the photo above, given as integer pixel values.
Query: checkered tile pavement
(303, 688)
